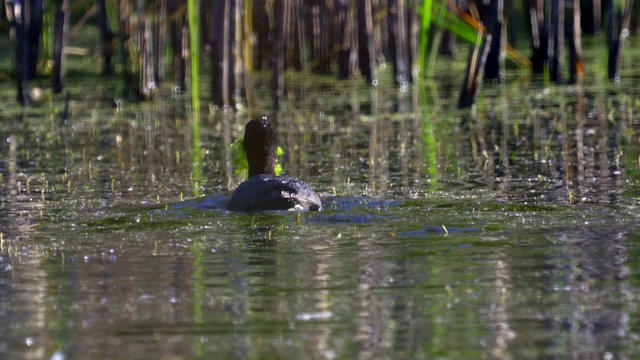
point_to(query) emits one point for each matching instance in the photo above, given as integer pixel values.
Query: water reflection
(508, 232)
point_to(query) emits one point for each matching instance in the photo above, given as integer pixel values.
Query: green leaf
(239, 159)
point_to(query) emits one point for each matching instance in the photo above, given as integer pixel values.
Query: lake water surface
(506, 232)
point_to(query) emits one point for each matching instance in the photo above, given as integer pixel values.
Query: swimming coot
(264, 190)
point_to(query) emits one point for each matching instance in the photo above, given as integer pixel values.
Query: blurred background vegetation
(151, 44)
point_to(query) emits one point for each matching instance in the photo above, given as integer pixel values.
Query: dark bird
(264, 190)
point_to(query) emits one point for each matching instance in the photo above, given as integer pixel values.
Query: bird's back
(269, 192)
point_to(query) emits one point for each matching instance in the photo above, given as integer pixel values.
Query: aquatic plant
(239, 159)
(358, 36)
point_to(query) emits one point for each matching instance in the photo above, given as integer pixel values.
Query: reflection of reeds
(194, 58)
(196, 152)
(524, 144)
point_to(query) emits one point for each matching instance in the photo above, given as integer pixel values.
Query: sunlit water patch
(510, 234)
